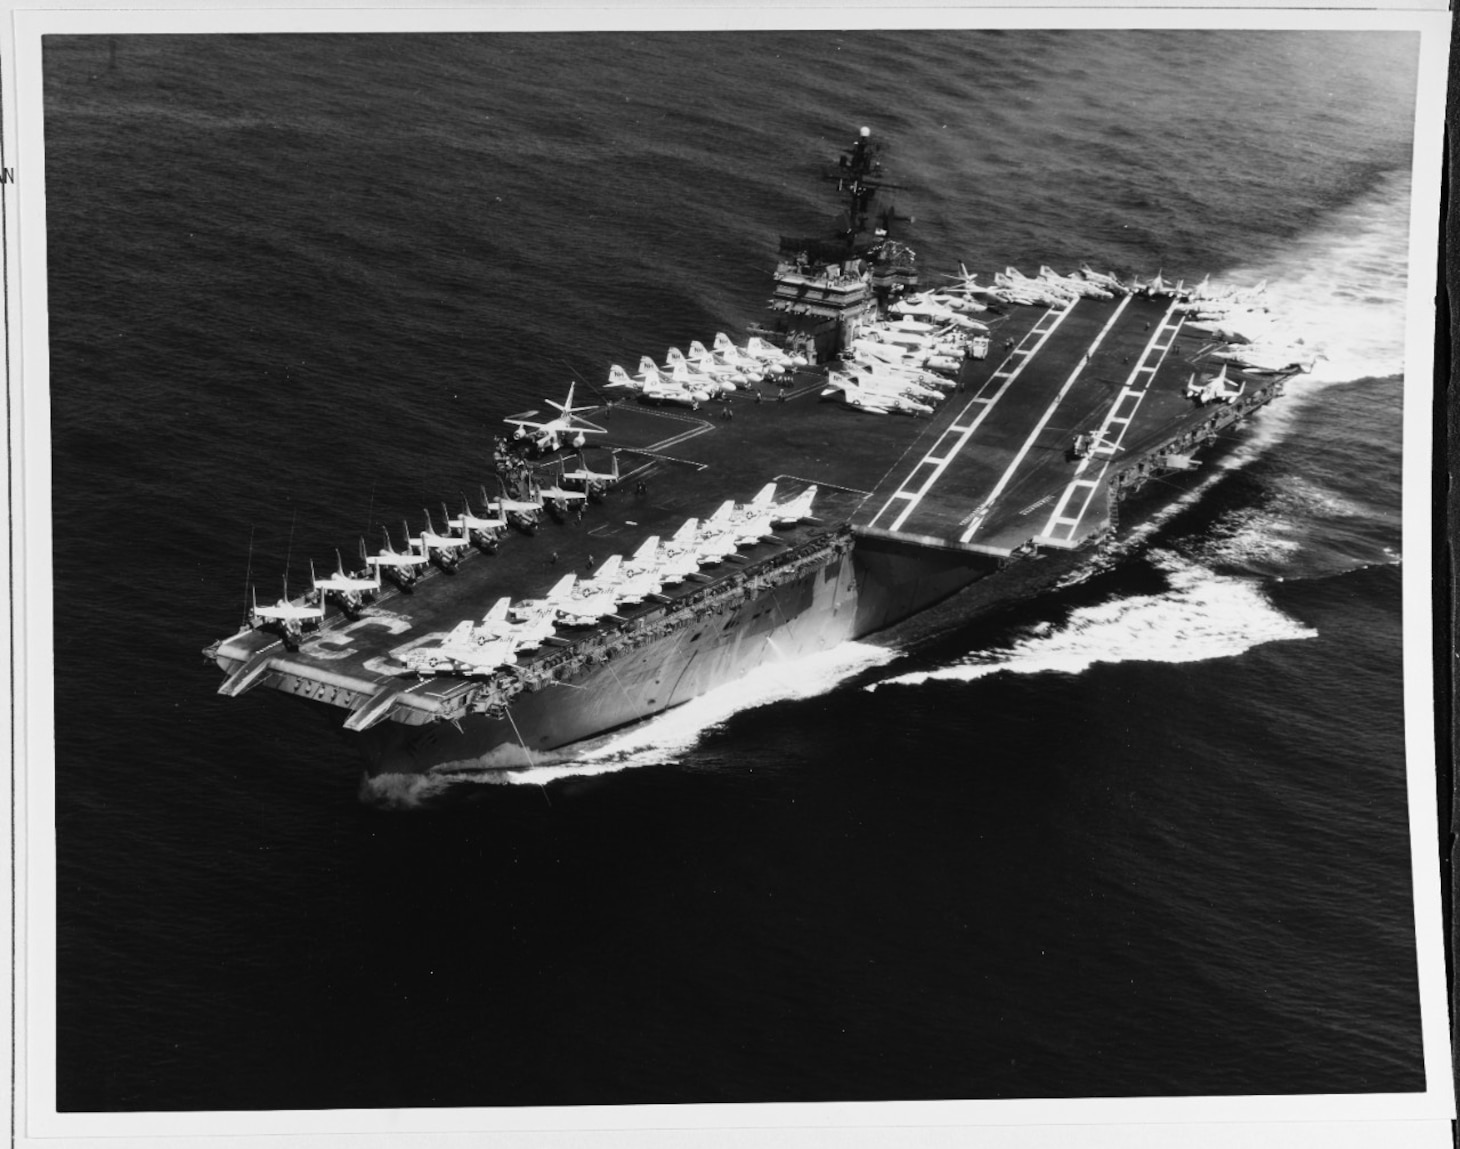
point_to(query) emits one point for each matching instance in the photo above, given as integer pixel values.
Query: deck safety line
(1049, 411)
(965, 432)
(1106, 445)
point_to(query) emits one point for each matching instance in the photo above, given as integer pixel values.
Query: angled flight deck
(1030, 449)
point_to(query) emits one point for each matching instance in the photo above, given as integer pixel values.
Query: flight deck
(1028, 450)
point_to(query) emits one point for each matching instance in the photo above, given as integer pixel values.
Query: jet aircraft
(794, 510)
(708, 376)
(678, 557)
(641, 575)
(739, 357)
(524, 609)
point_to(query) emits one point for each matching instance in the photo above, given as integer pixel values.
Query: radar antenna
(858, 176)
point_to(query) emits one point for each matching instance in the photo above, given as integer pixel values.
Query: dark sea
(1147, 836)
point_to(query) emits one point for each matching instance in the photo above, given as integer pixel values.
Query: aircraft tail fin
(562, 588)
(648, 368)
(498, 613)
(723, 343)
(764, 496)
(698, 350)
(646, 552)
(609, 569)
(686, 533)
(565, 407)
(618, 377)
(674, 357)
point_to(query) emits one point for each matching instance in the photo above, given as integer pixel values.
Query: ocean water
(1145, 836)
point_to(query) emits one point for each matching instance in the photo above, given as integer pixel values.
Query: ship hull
(630, 683)
(878, 584)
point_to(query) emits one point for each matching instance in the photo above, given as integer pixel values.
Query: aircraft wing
(288, 612)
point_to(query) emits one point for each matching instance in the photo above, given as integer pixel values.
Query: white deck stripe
(1110, 448)
(964, 431)
(1045, 418)
(964, 437)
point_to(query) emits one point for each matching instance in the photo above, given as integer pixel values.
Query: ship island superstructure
(880, 452)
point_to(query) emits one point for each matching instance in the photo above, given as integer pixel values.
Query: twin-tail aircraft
(444, 550)
(484, 530)
(289, 619)
(593, 483)
(1218, 389)
(349, 591)
(401, 568)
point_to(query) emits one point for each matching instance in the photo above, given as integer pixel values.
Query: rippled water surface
(1146, 836)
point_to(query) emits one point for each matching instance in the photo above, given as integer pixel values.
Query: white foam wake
(1272, 535)
(1200, 616)
(657, 741)
(667, 737)
(1342, 288)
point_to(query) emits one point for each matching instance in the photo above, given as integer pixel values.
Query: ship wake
(659, 741)
(1200, 616)
(668, 737)
(1343, 289)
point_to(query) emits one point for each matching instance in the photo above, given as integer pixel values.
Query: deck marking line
(964, 432)
(963, 437)
(1108, 446)
(1049, 412)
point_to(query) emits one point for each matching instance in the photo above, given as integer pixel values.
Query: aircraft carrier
(1055, 404)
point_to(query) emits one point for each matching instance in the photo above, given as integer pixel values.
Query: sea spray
(1201, 616)
(669, 736)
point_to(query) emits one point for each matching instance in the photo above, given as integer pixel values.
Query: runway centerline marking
(960, 433)
(1108, 445)
(1045, 418)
